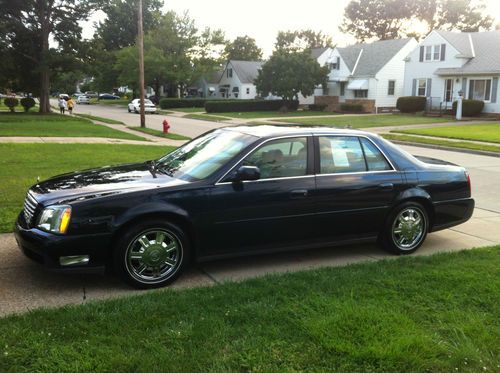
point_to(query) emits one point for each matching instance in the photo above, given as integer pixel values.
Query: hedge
(352, 108)
(470, 108)
(172, 103)
(411, 104)
(227, 106)
(11, 103)
(317, 107)
(27, 103)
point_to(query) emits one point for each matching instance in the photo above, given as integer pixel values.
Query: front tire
(151, 254)
(405, 229)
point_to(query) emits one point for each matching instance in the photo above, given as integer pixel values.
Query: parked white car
(134, 106)
(83, 99)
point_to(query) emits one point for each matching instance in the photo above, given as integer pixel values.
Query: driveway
(25, 285)
(179, 125)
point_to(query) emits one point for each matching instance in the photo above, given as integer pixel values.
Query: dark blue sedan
(241, 191)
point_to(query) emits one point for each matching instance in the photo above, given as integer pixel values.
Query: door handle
(388, 186)
(299, 193)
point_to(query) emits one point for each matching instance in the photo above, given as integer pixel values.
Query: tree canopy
(243, 48)
(288, 74)
(389, 19)
(293, 41)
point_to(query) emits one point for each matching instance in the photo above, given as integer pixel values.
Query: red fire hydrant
(166, 126)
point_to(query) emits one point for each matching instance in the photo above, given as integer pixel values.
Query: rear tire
(405, 229)
(151, 254)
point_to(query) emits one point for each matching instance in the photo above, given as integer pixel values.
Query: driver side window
(280, 158)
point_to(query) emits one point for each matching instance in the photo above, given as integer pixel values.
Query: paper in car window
(339, 153)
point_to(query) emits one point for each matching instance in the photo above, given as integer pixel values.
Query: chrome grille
(30, 204)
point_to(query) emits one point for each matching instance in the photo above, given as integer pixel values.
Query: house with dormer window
(370, 74)
(446, 64)
(237, 79)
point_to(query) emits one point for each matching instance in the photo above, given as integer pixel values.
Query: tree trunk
(44, 63)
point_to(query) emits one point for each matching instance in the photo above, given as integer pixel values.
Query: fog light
(73, 260)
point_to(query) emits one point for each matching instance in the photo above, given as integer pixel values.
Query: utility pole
(140, 43)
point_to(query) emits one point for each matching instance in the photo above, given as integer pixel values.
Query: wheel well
(180, 221)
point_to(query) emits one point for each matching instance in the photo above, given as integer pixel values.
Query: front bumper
(48, 248)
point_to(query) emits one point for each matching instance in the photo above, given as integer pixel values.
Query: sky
(262, 19)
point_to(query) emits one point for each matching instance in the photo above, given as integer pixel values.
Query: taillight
(467, 175)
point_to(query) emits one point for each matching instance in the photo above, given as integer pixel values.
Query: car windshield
(204, 155)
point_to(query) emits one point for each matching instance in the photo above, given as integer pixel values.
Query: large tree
(243, 48)
(389, 19)
(29, 25)
(293, 41)
(288, 74)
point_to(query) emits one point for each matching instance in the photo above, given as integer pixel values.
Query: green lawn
(412, 314)
(171, 136)
(55, 125)
(365, 121)
(189, 109)
(21, 164)
(211, 118)
(120, 102)
(441, 142)
(100, 119)
(479, 132)
(274, 114)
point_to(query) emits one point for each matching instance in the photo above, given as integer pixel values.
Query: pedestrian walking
(71, 105)
(62, 105)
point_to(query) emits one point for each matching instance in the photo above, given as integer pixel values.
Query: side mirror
(247, 173)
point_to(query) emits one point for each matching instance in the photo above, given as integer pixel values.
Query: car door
(267, 213)
(355, 187)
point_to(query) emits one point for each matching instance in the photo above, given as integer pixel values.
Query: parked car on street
(108, 96)
(241, 191)
(135, 106)
(83, 99)
(91, 94)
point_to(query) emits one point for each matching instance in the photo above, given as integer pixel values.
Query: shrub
(411, 104)
(470, 108)
(352, 108)
(227, 106)
(11, 103)
(317, 107)
(172, 103)
(27, 103)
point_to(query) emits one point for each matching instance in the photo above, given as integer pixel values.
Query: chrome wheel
(408, 228)
(153, 256)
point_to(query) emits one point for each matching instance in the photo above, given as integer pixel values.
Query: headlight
(55, 219)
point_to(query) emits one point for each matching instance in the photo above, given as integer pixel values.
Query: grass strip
(212, 118)
(412, 314)
(447, 143)
(151, 131)
(21, 164)
(477, 132)
(100, 119)
(366, 121)
(56, 125)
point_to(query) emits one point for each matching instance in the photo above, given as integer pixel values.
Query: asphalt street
(25, 285)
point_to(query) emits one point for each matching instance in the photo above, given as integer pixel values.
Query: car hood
(100, 182)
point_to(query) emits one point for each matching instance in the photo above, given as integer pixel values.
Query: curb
(449, 148)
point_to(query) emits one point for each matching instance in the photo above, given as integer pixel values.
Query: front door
(269, 213)
(448, 92)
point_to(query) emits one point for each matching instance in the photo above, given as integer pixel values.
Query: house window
(422, 87)
(480, 89)
(433, 52)
(229, 73)
(342, 88)
(361, 93)
(391, 87)
(248, 91)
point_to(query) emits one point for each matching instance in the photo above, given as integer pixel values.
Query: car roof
(278, 130)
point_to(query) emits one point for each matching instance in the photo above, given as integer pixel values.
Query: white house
(237, 79)
(371, 74)
(322, 55)
(446, 63)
